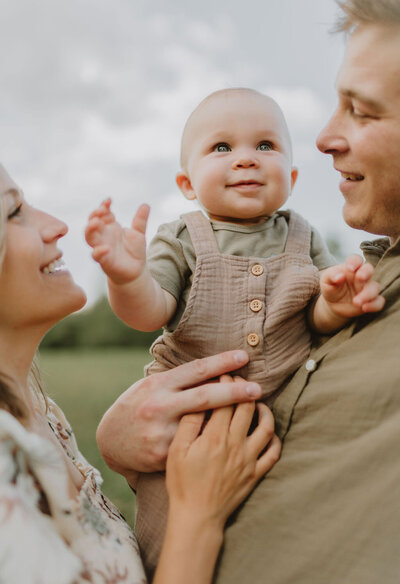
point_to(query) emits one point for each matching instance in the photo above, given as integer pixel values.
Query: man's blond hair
(358, 12)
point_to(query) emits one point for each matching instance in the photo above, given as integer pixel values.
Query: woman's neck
(17, 350)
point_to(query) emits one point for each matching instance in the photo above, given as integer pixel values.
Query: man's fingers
(269, 458)
(214, 395)
(201, 370)
(139, 221)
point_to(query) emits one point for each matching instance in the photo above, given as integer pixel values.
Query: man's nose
(332, 138)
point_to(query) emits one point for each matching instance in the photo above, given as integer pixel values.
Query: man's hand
(135, 433)
(121, 252)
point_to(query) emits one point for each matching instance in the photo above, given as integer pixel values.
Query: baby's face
(237, 157)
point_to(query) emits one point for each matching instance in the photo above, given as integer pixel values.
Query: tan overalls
(249, 303)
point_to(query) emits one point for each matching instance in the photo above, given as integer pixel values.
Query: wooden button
(257, 270)
(253, 339)
(256, 305)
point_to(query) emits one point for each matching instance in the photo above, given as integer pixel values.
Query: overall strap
(201, 233)
(299, 235)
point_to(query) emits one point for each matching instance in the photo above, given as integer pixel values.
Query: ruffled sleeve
(31, 549)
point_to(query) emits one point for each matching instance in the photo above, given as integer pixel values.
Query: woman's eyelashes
(15, 211)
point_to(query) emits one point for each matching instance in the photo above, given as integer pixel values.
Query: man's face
(363, 135)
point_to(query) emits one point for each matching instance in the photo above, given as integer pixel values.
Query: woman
(55, 525)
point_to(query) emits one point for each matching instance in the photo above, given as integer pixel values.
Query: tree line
(96, 326)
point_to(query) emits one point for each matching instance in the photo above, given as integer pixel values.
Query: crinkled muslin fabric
(236, 302)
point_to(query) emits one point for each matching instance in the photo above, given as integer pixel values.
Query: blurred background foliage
(96, 326)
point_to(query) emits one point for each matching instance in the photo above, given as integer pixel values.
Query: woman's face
(35, 288)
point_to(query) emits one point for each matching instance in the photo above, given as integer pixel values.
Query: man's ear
(183, 182)
(294, 174)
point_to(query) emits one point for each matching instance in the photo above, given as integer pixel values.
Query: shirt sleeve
(166, 259)
(31, 549)
(320, 254)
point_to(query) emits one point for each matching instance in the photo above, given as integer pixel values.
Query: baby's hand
(348, 289)
(121, 252)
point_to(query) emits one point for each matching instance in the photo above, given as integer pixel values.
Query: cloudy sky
(95, 93)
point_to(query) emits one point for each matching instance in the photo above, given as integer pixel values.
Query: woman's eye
(222, 147)
(15, 212)
(264, 146)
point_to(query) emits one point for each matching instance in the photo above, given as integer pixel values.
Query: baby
(246, 276)
(242, 275)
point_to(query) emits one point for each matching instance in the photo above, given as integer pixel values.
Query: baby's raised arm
(347, 291)
(135, 296)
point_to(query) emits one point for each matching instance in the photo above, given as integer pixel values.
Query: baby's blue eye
(222, 147)
(264, 146)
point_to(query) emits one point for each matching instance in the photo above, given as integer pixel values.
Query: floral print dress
(45, 537)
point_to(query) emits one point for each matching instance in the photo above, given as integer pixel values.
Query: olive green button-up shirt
(329, 511)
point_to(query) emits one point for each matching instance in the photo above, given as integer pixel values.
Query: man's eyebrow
(372, 103)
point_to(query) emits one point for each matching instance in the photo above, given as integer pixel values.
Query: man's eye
(222, 147)
(15, 212)
(264, 146)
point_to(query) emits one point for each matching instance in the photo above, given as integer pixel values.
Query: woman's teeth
(54, 267)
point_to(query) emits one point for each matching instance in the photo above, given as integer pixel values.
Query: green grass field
(84, 384)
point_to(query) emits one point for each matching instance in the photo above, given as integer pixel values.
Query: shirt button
(311, 365)
(253, 339)
(256, 305)
(257, 270)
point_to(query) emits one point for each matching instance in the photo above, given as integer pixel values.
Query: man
(329, 511)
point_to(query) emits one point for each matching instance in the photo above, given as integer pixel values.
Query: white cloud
(302, 107)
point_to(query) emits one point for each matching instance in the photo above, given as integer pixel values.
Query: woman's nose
(51, 227)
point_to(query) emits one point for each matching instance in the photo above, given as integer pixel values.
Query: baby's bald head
(242, 101)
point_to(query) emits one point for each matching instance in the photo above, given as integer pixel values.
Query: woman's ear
(183, 182)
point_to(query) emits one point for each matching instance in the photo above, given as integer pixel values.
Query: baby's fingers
(364, 273)
(139, 222)
(99, 252)
(369, 299)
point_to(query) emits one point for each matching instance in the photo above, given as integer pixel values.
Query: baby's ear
(183, 182)
(293, 176)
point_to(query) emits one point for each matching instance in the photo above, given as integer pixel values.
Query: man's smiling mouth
(354, 177)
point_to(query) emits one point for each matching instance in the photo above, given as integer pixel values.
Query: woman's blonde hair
(365, 12)
(8, 400)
